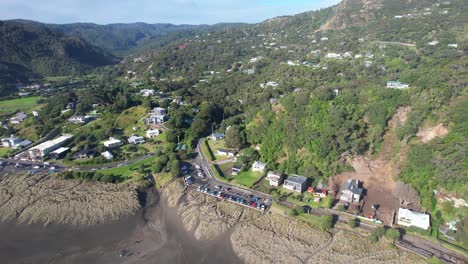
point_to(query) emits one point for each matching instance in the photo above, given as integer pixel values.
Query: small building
(352, 191)
(15, 143)
(295, 183)
(258, 166)
(322, 193)
(47, 147)
(236, 169)
(159, 111)
(59, 153)
(151, 133)
(332, 55)
(216, 136)
(409, 218)
(35, 113)
(397, 85)
(156, 119)
(112, 143)
(226, 152)
(136, 140)
(275, 178)
(107, 155)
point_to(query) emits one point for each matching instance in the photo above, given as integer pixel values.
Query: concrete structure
(226, 152)
(397, 85)
(258, 166)
(275, 178)
(409, 218)
(43, 149)
(136, 140)
(151, 133)
(112, 143)
(15, 143)
(352, 191)
(59, 153)
(295, 183)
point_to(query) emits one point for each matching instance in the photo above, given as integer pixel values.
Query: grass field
(247, 178)
(162, 179)
(214, 145)
(20, 104)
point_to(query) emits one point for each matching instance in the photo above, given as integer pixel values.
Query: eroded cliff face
(45, 199)
(269, 238)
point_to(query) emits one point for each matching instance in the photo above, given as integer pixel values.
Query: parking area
(196, 179)
(28, 167)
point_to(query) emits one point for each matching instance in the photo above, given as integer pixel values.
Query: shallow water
(154, 235)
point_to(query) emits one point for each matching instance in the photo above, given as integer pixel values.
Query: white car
(36, 167)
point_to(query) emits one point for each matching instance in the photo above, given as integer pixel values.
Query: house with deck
(275, 178)
(258, 166)
(352, 191)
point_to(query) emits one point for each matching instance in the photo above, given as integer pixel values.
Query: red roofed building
(319, 193)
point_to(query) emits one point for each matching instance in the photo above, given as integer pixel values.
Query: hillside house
(352, 192)
(397, 85)
(147, 92)
(18, 118)
(295, 183)
(112, 143)
(84, 154)
(409, 218)
(15, 143)
(226, 152)
(275, 178)
(80, 119)
(151, 133)
(136, 140)
(258, 166)
(332, 55)
(107, 155)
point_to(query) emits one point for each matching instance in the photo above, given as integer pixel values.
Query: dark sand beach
(154, 235)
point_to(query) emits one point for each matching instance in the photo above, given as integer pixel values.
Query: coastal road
(413, 243)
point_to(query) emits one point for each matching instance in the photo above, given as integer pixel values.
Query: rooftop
(297, 179)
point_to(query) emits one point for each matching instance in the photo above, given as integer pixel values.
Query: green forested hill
(32, 49)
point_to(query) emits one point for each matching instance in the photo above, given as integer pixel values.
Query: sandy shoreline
(154, 235)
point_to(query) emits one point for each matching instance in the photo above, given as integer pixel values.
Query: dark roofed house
(352, 191)
(295, 183)
(236, 169)
(84, 154)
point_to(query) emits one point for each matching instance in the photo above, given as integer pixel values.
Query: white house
(35, 113)
(151, 133)
(397, 85)
(452, 45)
(112, 143)
(225, 152)
(275, 178)
(136, 140)
(216, 136)
(80, 119)
(18, 118)
(352, 191)
(258, 166)
(272, 84)
(409, 218)
(108, 155)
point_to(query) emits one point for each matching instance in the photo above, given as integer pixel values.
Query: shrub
(393, 234)
(352, 223)
(379, 232)
(373, 238)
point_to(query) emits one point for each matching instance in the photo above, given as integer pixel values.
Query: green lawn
(247, 178)
(20, 104)
(214, 145)
(4, 152)
(130, 171)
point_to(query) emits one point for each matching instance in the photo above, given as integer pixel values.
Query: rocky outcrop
(46, 199)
